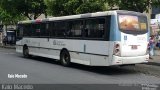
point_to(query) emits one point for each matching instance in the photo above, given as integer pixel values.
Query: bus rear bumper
(117, 60)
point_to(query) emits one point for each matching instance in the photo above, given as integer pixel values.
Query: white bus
(97, 39)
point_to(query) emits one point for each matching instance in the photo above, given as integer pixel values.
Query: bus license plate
(134, 47)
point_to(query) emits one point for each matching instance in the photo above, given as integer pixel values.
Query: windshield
(132, 23)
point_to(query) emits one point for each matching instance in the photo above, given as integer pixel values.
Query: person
(5, 40)
(151, 46)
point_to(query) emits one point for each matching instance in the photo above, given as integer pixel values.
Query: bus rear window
(132, 23)
(127, 22)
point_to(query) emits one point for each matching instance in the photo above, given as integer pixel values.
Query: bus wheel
(26, 52)
(65, 58)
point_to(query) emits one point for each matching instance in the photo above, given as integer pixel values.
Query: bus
(117, 37)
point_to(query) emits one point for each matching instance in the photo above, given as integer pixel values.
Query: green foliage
(4, 17)
(70, 7)
(156, 3)
(133, 5)
(29, 8)
(90, 6)
(13, 10)
(8, 18)
(32, 8)
(56, 7)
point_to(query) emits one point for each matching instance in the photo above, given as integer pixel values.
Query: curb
(9, 47)
(153, 63)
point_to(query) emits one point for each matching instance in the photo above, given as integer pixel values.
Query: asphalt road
(47, 71)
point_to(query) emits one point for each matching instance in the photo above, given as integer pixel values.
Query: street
(38, 70)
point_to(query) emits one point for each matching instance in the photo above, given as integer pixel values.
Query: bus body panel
(133, 45)
(84, 46)
(81, 51)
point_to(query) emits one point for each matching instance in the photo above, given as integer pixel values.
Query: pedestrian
(5, 40)
(151, 46)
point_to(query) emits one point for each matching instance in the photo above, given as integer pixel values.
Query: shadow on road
(105, 70)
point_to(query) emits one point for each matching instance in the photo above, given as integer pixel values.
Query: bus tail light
(116, 49)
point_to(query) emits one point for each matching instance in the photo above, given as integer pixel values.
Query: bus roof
(86, 15)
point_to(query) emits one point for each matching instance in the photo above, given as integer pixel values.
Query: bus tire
(26, 52)
(65, 58)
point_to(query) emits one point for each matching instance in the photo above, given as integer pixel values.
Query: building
(155, 20)
(155, 11)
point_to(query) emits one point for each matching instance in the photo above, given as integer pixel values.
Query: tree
(56, 7)
(133, 5)
(70, 7)
(90, 6)
(4, 17)
(8, 15)
(29, 8)
(156, 3)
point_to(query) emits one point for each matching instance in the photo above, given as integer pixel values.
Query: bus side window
(44, 30)
(94, 28)
(86, 32)
(36, 30)
(69, 30)
(27, 30)
(19, 32)
(75, 28)
(52, 29)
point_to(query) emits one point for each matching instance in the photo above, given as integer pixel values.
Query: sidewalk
(156, 59)
(8, 46)
(157, 52)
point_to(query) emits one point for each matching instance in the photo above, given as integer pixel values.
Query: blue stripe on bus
(115, 34)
